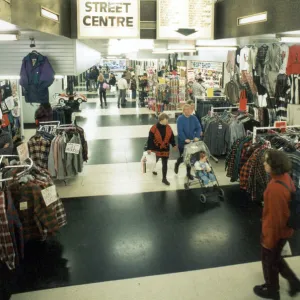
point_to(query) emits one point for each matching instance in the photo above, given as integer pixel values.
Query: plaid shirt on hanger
(7, 252)
(39, 149)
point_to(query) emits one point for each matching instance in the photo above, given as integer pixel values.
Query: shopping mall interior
(87, 211)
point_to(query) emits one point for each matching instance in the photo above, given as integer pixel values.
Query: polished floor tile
(127, 236)
(210, 284)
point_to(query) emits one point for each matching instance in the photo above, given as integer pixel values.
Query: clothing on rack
(295, 89)
(63, 114)
(232, 91)
(293, 65)
(284, 56)
(293, 114)
(281, 96)
(36, 76)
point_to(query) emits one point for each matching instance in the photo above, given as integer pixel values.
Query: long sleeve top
(293, 65)
(276, 211)
(188, 128)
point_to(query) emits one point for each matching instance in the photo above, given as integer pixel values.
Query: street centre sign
(108, 19)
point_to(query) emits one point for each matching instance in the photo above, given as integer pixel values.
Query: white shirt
(244, 59)
(122, 84)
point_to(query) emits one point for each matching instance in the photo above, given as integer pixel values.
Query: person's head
(277, 162)
(123, 76)
(202, 154)
(200, 80)
(101, 77)
(187, 110)
(163, 119)
(192, 104)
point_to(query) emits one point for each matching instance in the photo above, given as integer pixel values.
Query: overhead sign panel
(185, 19)
(108, 19)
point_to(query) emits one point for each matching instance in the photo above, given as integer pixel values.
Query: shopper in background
(199, 90)
(102, 89)
(127, 74)
(93, 78)
(192, 104)
(160, 138)
(87, 80)
(133, 87)
(112, 80)
(189, 130)
(122, 85)
(275, 231)
(6, 142)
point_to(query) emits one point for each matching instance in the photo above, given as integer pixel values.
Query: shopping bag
(113, 89)
(148, 161)
(243, 101)
(286, 251)
(105, 86)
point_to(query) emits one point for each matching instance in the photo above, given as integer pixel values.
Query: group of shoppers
(277, 197)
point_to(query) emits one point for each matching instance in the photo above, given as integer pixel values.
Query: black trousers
(274, 264)
(164, 161)
(180, 161)
(102, 96)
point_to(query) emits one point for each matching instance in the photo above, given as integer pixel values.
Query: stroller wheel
(202, 198)
(221, 194)
(186, 186)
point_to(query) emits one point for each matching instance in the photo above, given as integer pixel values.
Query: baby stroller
(190, 156)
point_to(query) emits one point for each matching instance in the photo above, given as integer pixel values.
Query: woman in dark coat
(160, 138)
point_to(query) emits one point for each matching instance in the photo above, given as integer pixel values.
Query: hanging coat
(36, 76)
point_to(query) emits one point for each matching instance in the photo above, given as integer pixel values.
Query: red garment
(293, 66)
(276, 211)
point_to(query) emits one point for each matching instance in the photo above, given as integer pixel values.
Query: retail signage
(73, 148)
(50, 195)
(108, 19)
(23, 152)
(185, 19)
(281, 125)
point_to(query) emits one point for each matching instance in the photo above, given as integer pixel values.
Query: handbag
(105, 86)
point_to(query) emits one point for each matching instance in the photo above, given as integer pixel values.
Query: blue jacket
(36, 78)
(188, 129)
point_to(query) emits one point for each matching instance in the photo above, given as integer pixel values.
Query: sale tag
(281, 124)
(73, 148)
(23, 152)
(50, 195)
(23, 205)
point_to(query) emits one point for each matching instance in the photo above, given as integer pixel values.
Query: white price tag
(23, 206)
(23, 152)
(73, 148)
(50, 195)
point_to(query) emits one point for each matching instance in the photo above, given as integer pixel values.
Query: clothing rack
(222, 108)
(15, 167)
(255, 129)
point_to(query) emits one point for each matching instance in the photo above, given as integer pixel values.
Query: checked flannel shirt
(39, 149)
(245, 171)
(37, 216)
(7, 252)
(229, 164)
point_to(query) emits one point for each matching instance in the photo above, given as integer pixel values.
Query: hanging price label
(23, 152)
(50, 195)
(73, 148)
(281, 124)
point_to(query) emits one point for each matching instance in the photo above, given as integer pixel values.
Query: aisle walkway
(130, 237)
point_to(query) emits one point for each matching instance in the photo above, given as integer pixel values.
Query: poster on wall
(108, 19)
(211, 72)
(115, 64)
(188, 19)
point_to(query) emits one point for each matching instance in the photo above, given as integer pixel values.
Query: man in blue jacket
(189, 129)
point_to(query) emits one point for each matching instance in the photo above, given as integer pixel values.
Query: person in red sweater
(275, 231)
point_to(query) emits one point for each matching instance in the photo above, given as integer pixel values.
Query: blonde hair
(185, 106)
(101, 78)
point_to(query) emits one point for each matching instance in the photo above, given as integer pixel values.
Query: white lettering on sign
(50, 195)
(23, 152)
(108, 19)
(73, 148)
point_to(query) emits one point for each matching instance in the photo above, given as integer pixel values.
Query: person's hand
(202, 133)
(187, 141)
(196, 139)
(6, 145)
(149, 151)
(175, 147)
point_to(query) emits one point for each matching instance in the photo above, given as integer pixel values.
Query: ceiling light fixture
(8, 37)
(290, 39)
(46, 13)
(217, 48)
(257, 18)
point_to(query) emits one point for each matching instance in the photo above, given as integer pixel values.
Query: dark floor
(118, 237)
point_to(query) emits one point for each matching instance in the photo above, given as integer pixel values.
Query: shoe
(176, 168)
(118, 106)
(263, 292)
(165, 181)
(294, 288)
(101, 105)
(190, 177)
(154, 173)
(105, 104)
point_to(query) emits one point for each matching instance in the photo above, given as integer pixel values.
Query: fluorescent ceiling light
(46, 13)
(5, 26)
(111, 57)
(217, 48)
(167, 51)
(9, 77)
(8, 37)
(260, 17)
(291, 39)
(58, 76)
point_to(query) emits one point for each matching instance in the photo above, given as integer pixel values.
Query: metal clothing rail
(221, 108)
(15, 167)
(255, 129)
